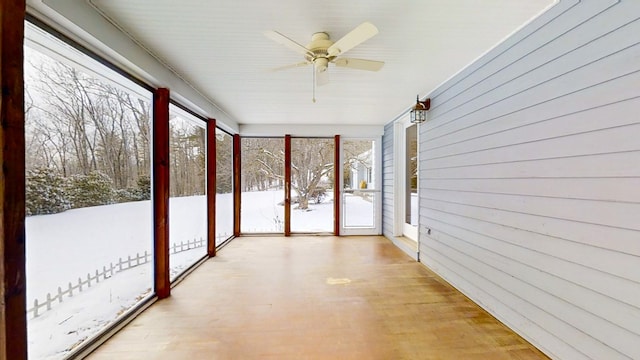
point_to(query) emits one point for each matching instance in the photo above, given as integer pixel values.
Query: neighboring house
(361, 170)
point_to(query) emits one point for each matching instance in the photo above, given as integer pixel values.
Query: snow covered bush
(125, 195)
(142, 192)
(45, 192)
(90, 190)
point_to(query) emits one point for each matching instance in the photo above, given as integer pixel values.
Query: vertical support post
(287, 185)
(161, 192)
(337, 174)
(13, 320)
(211, 187)
(236, 185)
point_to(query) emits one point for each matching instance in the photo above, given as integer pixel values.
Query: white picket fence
(122, 264)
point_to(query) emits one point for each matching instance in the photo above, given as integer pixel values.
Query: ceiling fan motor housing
(318, 46)
(322, 50)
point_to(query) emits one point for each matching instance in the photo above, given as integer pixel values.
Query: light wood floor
(314, 298)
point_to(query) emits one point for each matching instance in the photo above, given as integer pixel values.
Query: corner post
(337, 174)
(236, 185)
(13, 320)
(211, 187)
(161, 192)
(287, 185)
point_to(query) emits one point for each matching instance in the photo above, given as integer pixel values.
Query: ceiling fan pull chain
(314, 84)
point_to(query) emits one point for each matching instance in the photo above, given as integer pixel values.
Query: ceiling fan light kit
(322, 51)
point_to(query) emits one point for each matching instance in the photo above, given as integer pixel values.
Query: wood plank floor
(314, 298)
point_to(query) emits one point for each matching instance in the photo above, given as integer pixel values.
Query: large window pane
(359, 209)
(262, 194)
(187, 202)
(89, 217)
(224, 186)
(312, 185)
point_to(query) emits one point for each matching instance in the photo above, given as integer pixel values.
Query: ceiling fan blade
(360, 34)
(369, 65)
(322, 78)
(283, 40)
(291, 66)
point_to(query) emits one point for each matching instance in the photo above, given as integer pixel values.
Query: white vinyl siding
(530, 181)
(387, 181)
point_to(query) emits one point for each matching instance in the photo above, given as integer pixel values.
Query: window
(312, 179)
(89, 216)
(262, 192)
(187, 201)
(224, 186)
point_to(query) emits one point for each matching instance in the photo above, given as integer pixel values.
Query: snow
(359, 210)
(260, 213)
(318, 218)
(63, 247)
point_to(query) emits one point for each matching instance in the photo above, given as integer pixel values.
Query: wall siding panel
(387, 181)
(473, 285)
(601, 98)
(615, 239)
(530, 181)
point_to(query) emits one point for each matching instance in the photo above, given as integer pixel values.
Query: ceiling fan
(322, 51)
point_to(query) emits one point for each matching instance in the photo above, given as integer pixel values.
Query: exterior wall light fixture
(419, 112)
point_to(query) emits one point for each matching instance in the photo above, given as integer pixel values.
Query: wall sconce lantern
(419, 112)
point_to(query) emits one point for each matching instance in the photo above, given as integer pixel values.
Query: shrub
(125, 195)
(143, 192)
(318, 194)
(45, 193)
(90, 190)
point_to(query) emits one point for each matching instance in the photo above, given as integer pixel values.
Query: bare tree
(224, 164)
(311, 162)
(79, 124)
(262, 163)
(187, 158)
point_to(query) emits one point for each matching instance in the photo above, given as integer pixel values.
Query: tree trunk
(303, 202)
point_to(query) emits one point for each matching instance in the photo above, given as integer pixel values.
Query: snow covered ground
(63, 247)
(261, 214)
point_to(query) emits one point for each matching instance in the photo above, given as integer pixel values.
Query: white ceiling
(218, 48)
